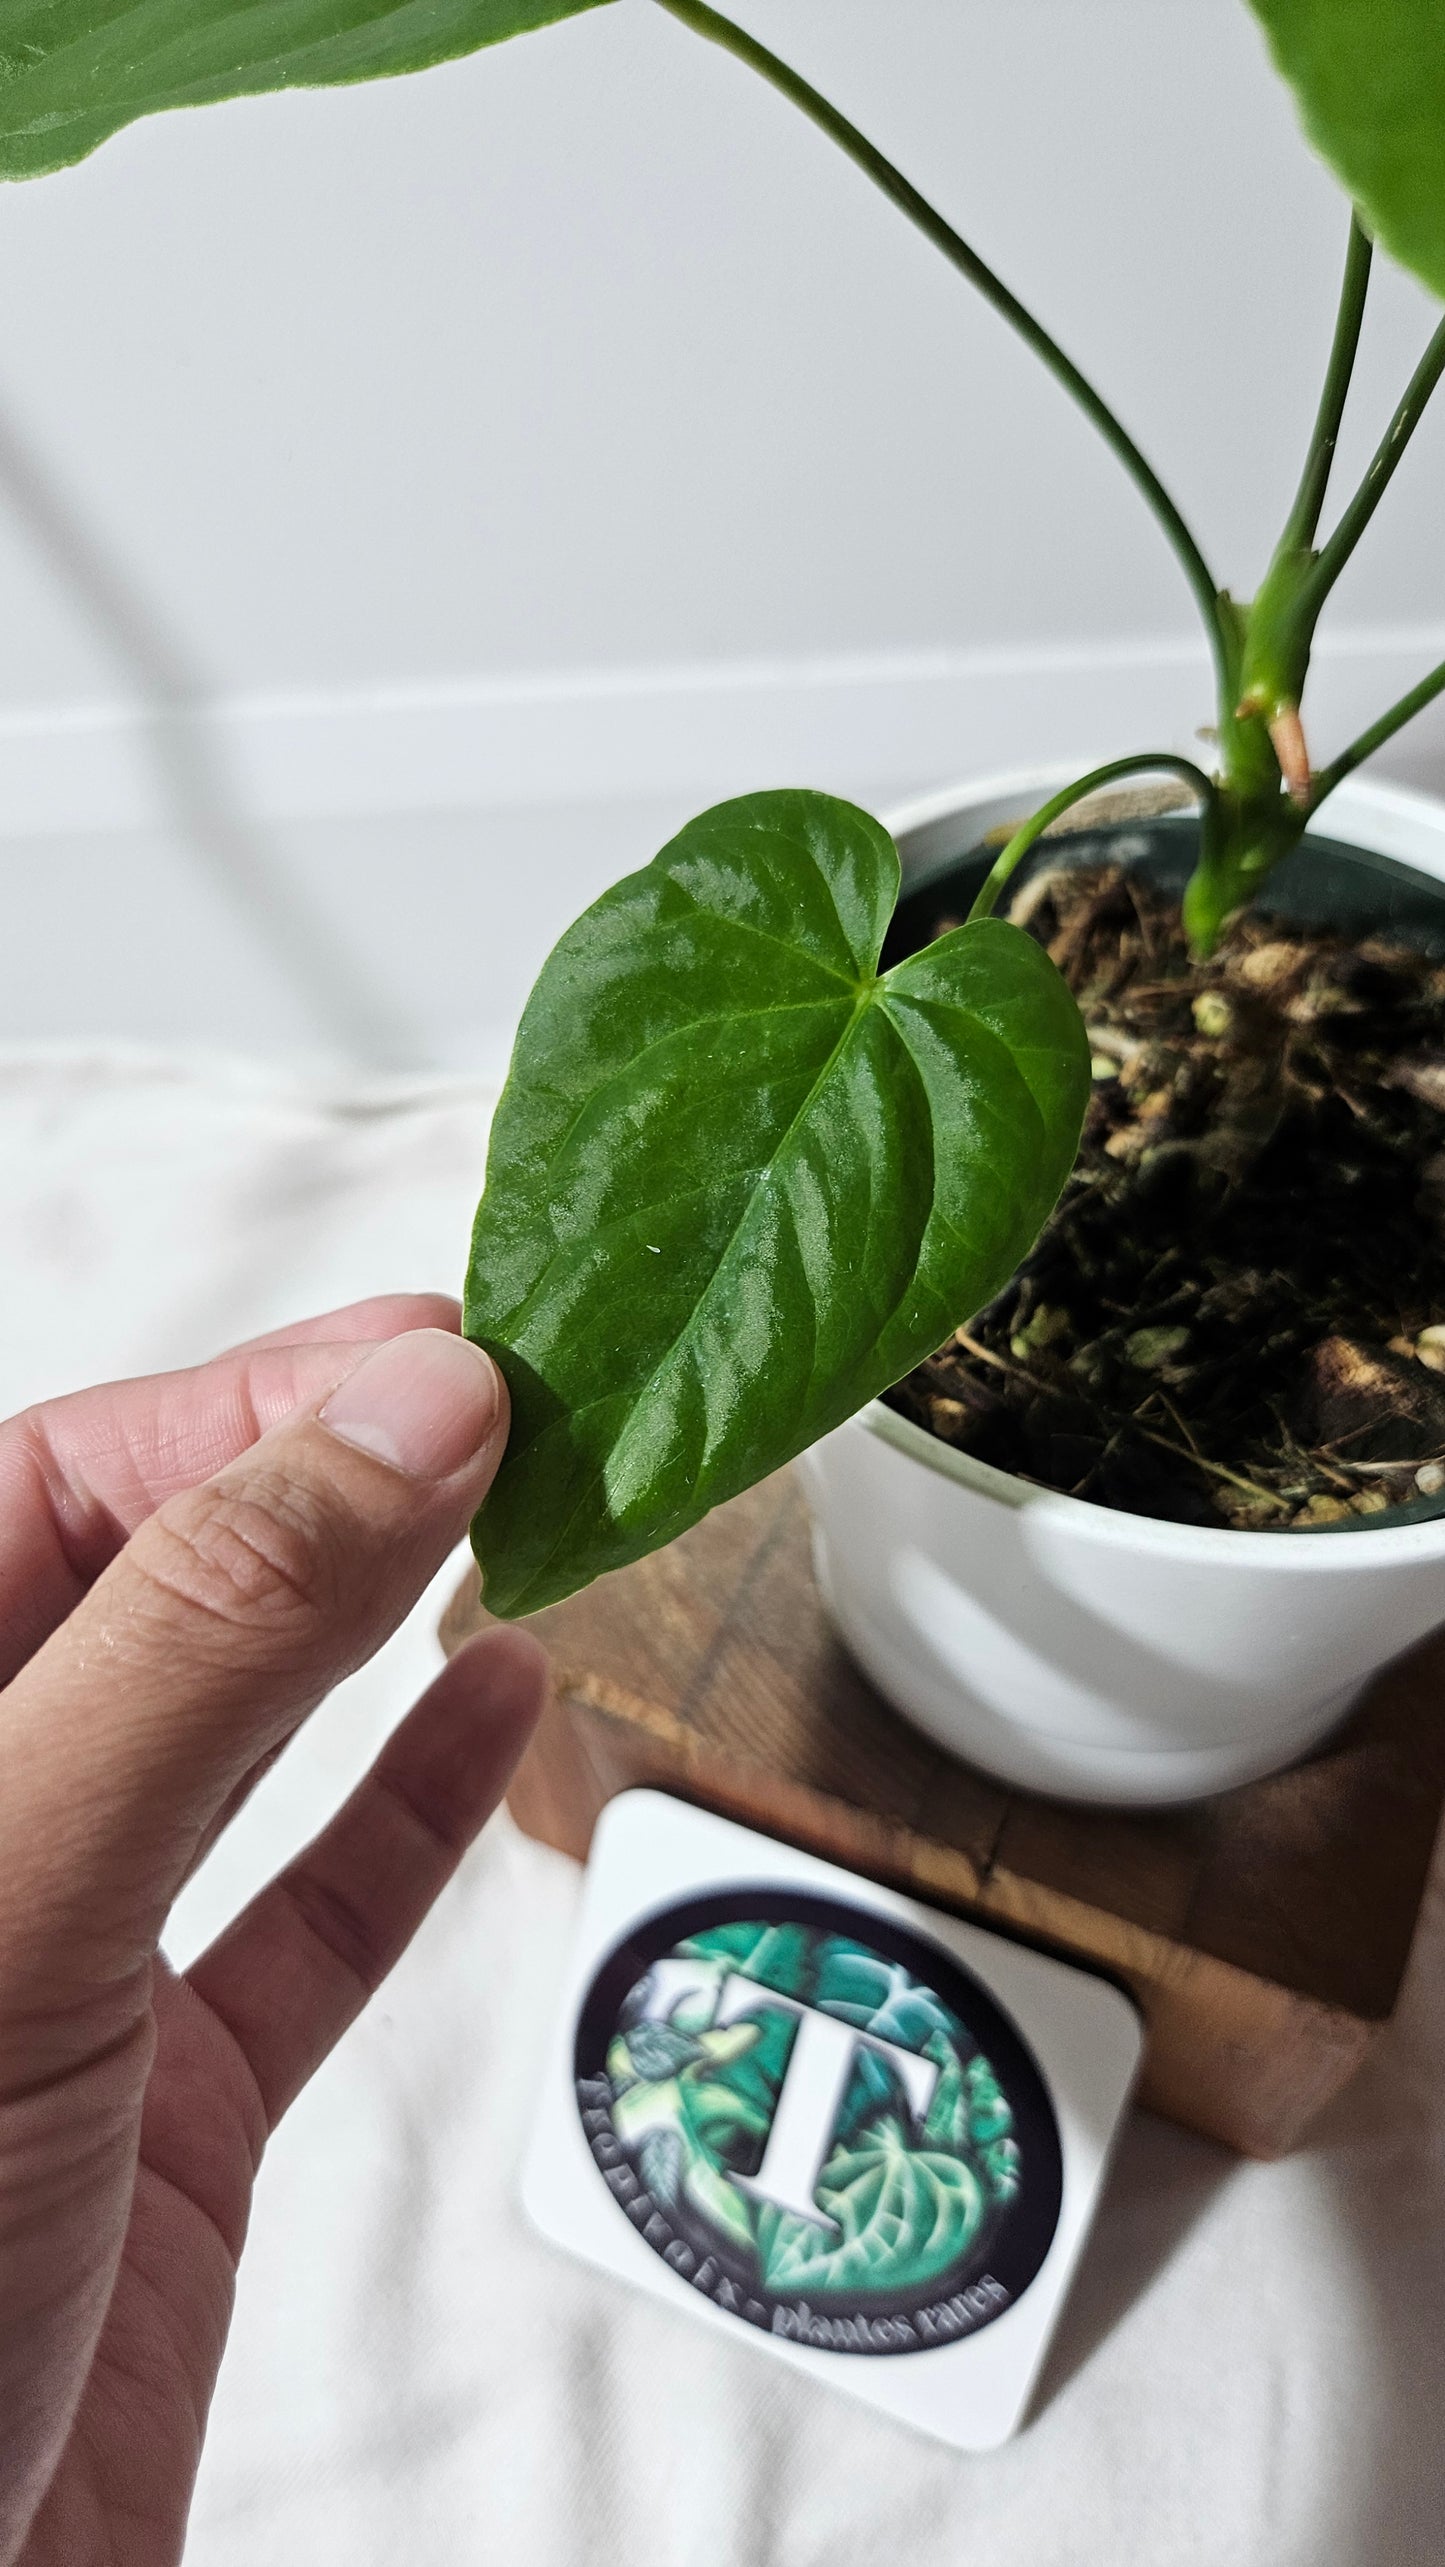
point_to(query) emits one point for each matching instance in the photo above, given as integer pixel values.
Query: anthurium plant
(739, 1180)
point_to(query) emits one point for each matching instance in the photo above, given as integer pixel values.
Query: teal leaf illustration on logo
(946, 2124)
(988, 2113)
(779, 1956)
(905, 2215)
(654, 2050)
(878, 1996)
(693, 2101)
(660, 2163)
(692, 2127)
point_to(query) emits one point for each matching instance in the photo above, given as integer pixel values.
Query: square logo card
(866, 2138)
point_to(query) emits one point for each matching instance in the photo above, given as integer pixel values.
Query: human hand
(187, 1565)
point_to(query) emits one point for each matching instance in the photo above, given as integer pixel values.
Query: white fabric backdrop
(1250, 2373)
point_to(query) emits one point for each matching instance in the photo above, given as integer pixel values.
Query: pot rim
(1407, 822)
(1404, 823)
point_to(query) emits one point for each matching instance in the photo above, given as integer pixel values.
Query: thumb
(226, 1618)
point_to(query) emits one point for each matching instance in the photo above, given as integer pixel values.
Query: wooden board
(1264, 1932)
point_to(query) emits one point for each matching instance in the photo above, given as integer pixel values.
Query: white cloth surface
(1250, 2372)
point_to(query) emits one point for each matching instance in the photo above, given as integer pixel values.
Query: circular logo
(819, 2120)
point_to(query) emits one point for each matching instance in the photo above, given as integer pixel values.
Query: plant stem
(1304, 516)
(1377, 734)
(1334, 554)
(1147, 762)
(1278, 632)
(1279, 626)
(708, 22)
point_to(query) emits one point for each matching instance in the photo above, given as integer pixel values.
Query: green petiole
(1147, 762)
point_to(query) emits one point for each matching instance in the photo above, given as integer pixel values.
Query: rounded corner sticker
(819, 2120)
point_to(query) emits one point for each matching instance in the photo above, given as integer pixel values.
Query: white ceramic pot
(1071, 1648)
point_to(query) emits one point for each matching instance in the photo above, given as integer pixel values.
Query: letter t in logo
(811, 2096)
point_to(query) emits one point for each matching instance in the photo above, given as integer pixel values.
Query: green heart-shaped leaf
(72, 72)
(738, 1183)
(1369, 76)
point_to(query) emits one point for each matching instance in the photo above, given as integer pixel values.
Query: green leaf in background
(72, 72)
(738, 1183)
(1369, 76)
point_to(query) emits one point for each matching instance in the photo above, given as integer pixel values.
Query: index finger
(78, 1474)
(386, 1314)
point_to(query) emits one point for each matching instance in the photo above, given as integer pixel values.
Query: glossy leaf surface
(739, 1183)
(72, 72)
(1369, 76)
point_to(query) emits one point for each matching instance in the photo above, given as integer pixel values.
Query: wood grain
(1265, 1933)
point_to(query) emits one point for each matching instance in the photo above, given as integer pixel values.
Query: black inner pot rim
(1326, 881)
(1419, 1532)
